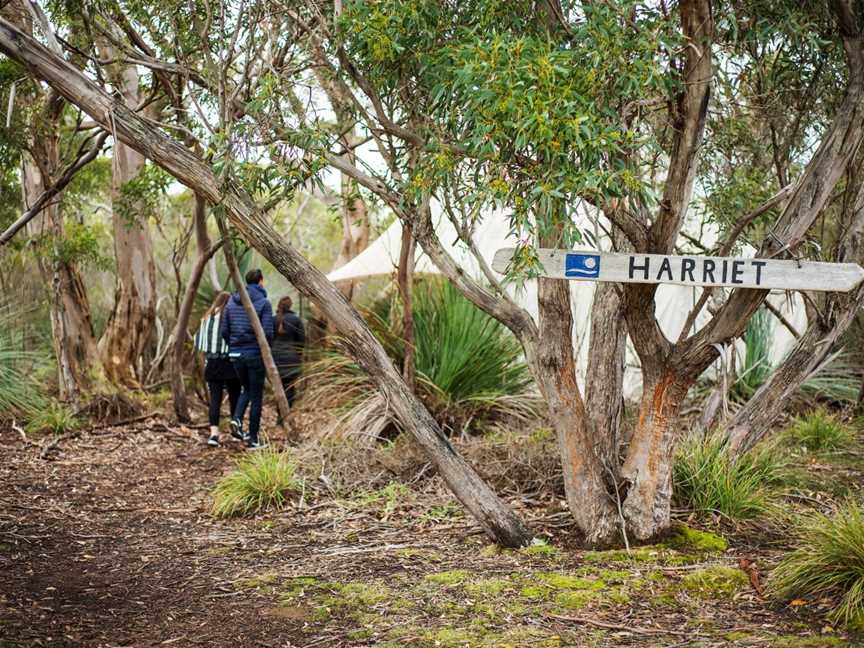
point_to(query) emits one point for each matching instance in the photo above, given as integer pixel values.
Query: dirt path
(108, 542)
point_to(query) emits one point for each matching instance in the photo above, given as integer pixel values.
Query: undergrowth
(470, 371)
(56, 418)
(819, 431)
(262, 480)
(829, 562)
(706, 480)
(19, 394)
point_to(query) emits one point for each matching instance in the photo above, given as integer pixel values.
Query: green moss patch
(488, 586)
(714, 582)
(541, 548)
(566, 581)
(684, 538)
(575, 600)
(454, 577)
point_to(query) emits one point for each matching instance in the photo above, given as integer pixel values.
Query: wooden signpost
(765, 274)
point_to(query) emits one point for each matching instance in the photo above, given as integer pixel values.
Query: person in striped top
(219, 371)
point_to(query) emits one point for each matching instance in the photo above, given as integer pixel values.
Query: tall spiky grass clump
(262, 480)
(755, 366)
(818, 431)
(469, 367)
(829, 562)
(19, 393)
(706, 480)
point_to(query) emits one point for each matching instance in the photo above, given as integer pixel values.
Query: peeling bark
(648, 466)
(132, 321)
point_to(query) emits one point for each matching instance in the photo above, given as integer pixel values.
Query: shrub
(56, 418)
(707, 480)
(262, 480)
(829, 562)
(818, 430)
(469, 367)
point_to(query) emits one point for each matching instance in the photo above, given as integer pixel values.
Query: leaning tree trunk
(178, 337)
(753, 421)
(132, 321)
(493, 515)
(647, 469)
(263, 344)
(355, 221)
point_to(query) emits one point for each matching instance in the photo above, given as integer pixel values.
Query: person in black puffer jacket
(219, 370)
(288, 343)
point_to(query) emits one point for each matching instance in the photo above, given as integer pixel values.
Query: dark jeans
(251, 372)
(217, 389)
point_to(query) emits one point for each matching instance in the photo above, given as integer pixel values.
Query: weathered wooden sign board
(766, 274)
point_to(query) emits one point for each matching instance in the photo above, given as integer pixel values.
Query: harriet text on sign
(767, 274)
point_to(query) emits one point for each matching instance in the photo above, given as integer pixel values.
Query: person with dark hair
(219, 371)
(237, 331)
(288, 343)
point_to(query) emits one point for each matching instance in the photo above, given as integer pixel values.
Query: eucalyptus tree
(47, 134)
(542, 108)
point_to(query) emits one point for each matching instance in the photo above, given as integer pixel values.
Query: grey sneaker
(237, 430)
(256, 445)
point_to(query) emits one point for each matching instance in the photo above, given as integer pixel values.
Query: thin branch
(54, 189)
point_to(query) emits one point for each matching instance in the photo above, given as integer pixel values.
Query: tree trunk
(131, 323)
(754, 420)
(493, 515)
(355, 221)
(264, 346)
(178, 386)
(71, 327)
(405, 280)
(554, 368)
(604, 382)
(648, 466)
(72, 333)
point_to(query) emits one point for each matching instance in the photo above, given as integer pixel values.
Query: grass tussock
(56, 418)
(19, 392)
(262, 480)
(706, 480)
(470, 371)
(818, 431)
(829, 562)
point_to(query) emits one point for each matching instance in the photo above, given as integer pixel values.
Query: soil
(108, 540)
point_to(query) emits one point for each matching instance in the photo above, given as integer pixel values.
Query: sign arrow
(764, 274)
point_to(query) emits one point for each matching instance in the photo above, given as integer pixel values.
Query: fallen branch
(625, 628)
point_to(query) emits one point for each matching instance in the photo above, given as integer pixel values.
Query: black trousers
(217, 389)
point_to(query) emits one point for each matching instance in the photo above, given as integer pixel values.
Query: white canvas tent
(672, 303)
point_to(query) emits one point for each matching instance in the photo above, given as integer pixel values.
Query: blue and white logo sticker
(582, 265)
